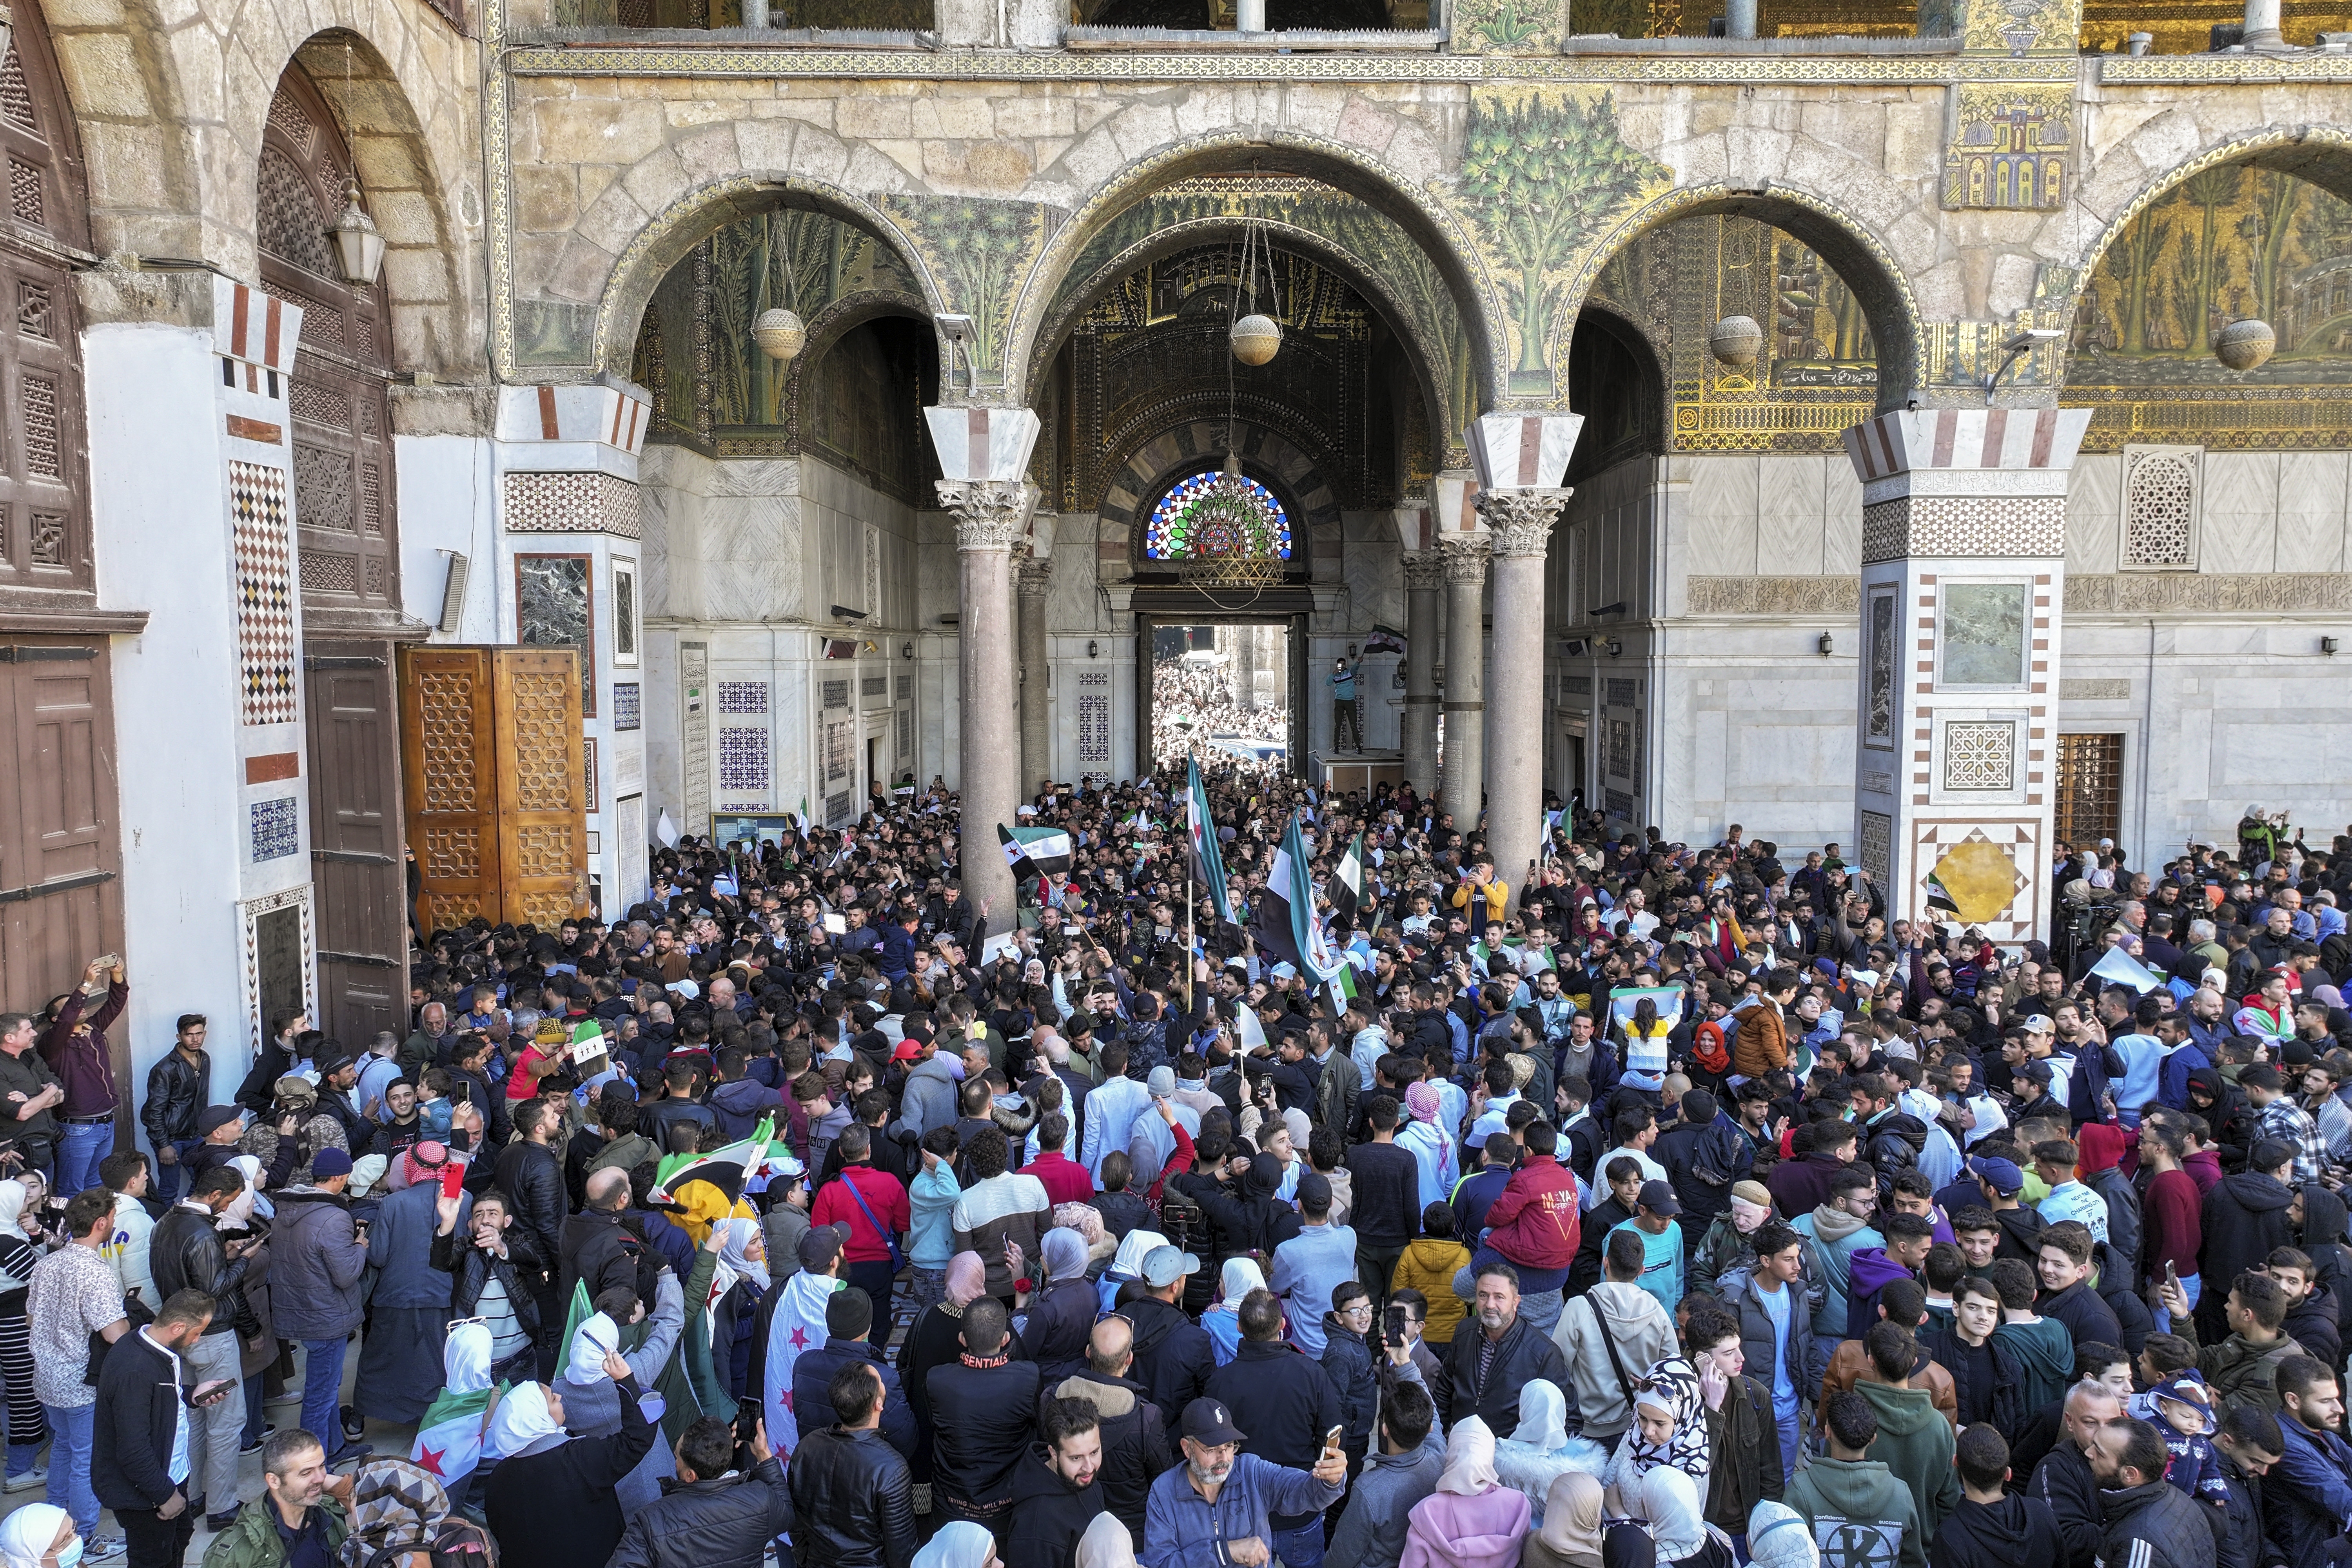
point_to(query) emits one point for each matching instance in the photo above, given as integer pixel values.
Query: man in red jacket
(1535, 1225)
(869, 1203)
(1066, 1181)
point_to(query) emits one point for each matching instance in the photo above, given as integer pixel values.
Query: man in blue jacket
(2307, 1496)
(1214, 1507)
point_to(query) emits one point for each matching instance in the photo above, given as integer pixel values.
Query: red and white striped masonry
(1910, 439)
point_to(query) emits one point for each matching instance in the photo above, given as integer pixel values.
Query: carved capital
(989, 514)
(1465, 558)
(1520, 519)
(1035, 579)
(1424, 569)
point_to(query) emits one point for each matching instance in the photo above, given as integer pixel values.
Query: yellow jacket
(1498, 897)
(1429, 1265)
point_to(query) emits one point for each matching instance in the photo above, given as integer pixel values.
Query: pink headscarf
(967, 1279)
(1422, 1102)
(422, 1162)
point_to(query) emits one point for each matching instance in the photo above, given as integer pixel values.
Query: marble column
(1034, 581)
(1424, 576)
(1963, 567)
(1520, 523)
(1464, 785)
(989, 516)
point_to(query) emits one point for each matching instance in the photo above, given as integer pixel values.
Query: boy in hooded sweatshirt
(1991, 1527)
(1855, 1504)
(1914, 1439)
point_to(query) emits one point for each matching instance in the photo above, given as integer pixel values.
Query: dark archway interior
(1614, 381)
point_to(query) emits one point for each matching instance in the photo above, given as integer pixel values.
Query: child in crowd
(2181, 1406)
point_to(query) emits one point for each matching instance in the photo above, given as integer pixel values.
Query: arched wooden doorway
(348, 537)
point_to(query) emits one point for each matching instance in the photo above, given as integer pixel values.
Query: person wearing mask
(1994, 1526)
(1286, 1404)
(139, 1451)
(1488, 1363)
(73, 1296)
(851, 1494)
(318, 1264)
(1845, 1494)
(552, 1500)
(716, 1516)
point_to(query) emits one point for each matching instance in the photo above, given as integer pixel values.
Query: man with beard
(1216, 1506)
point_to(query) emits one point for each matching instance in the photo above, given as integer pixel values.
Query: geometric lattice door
(496, 796)
(2090, 789)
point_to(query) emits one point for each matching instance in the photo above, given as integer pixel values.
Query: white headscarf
(734, 1264)
(1470, 1460)
(1670, 1499)
(597, 1334)
(1241, 1275)
(12, 1198)
(26, 1534)
(959, 1544)
(1543, 1417)
(1106, 1545)
(521, 1424)
(466, 1357)
(1129, 1260)
(240, 1214)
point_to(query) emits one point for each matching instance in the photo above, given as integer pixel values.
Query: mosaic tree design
(1202, 519)
(980, 251)
(1543, 172)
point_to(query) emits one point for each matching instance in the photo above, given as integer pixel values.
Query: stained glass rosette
(1220, 526)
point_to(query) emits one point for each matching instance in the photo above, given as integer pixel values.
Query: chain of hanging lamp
(1232, 545)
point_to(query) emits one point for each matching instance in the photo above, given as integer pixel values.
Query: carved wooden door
(542, 808)
(355, 838)
(448, 770)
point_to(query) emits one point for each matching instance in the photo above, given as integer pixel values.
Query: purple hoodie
(1869, 1272)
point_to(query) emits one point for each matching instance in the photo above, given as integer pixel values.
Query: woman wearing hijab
(1106, 1545)
(552, 1502)
(1472, 1519)
(27, 1428)
(1670, 1499)
(1669, 1428)
(738, 1284)
(1062, 1313)
(1628, 1546)
(1570, 1534)
(959, 1544)
(1126, 1264)
(1429, 1143)
(1541, 1451)
(39, 1535)
(1239, 1276)
(936, 1340)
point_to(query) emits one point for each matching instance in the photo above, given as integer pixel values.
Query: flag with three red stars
(449, 1439)
(798, 1327)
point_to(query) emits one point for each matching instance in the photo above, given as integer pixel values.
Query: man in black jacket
(1055, 1493)
(711, 1516)
(1173, 1357)
(1993, 1528)
(143, 1396)
(1478, 1384)
(2148, 1521)
(2248, 1444)
(848, 1315)
(1136, 1443)
(1385, 1185)
(531, 1176)
(2066, 1479)
(186, 1253)
(983, 1418)
(851, 1491)
(177, 1090)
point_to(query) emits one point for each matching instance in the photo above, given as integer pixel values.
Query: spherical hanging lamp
(779, 334)
(2244, 345)
(1256, 339)
(1736, 341)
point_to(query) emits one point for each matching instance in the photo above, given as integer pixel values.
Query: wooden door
(355, 837)
(60, 898)
(449, 782)
(542, 808)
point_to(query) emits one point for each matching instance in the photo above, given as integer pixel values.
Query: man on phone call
(142, 1457)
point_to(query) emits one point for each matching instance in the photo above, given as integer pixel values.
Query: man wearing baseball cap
(2003, 1185)
(1215, 1507)
(1662, 1265)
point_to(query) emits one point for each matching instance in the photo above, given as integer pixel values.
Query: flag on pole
(1285, 923)
(580, 1310)
(1035, 851)
(798, 1328)
(1201, 835)
(1346, 888)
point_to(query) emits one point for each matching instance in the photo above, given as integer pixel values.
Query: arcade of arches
(1921, 428)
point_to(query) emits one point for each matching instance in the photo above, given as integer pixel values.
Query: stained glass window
(1201, 519)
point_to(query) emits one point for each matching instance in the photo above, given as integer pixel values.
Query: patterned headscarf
(394, 1503)
(1672, 1386)
(1422, 1102)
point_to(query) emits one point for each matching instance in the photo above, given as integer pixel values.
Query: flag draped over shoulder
(797, 1327)
(449, 1439)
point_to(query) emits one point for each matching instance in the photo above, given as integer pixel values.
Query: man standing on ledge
(1346, 718)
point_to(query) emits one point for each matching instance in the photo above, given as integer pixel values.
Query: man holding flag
(1208, 856)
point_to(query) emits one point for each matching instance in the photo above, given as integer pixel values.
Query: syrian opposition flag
(1346, 888)
(449, 1439)
(727, 1168)
(1035, 851)
(797, 1327)
(1201, 841)
(1285, 923)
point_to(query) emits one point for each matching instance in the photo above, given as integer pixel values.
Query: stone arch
(665, 240)
(1595, 449)
(1429, 366)
(1852, 246)
(1291, 470)
(1432, 228)
(839, 319)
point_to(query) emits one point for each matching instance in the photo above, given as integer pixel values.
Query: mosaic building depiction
(463, 437)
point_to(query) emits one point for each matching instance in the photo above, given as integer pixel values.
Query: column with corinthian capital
(1464, 785)
(1034, 580)
(1519, 522)
(1424, 577)
(990, 515)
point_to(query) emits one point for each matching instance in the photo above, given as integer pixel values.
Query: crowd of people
(1671, 1206)
(1192, 703)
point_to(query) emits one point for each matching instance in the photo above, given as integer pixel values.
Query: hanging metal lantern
(2243, 345)
(1736, 341)
(780, 334)
(359, 248)
(1256, 339)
